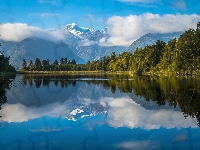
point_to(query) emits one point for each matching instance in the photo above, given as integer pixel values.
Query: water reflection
(127, 102)
(4, 85)
(3, 98)
(184, 92)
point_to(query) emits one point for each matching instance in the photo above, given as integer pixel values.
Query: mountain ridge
(28, 49)
(151, 38)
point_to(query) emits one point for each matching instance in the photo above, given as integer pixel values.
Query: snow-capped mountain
(85, 33)
(85, 42)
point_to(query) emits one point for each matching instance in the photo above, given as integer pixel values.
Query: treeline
(179, 56)
(4, 64)
(45, 65)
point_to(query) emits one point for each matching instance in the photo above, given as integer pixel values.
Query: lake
(79, 112)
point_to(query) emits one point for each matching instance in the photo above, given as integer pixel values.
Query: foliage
(4, 64)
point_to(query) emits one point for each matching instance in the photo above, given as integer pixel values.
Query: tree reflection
(4, 85)
(182, 92)
(3, 98)
(38, 82)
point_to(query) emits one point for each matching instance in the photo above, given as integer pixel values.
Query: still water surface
(100, 113)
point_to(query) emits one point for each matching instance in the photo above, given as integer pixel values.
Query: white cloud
(176, 4)
(125, 30)
(86, 42)
(137, 145)
(45, 14)
(137, 1)
(141, 3)
(20, 31)
(180, 4)
(52, 2)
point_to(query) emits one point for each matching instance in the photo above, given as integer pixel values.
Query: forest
(179, 56)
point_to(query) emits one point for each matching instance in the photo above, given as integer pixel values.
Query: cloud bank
(19, 31)
(125, 30)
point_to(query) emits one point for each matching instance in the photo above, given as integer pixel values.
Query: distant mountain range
(32, 48)
(81, 44)
(85, 42)
(86, 33)
(151, 38)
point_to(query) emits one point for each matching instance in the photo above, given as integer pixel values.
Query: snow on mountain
(85, 42)
(83, 33)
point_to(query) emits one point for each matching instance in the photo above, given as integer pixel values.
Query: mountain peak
(71, 26)
(82, 32)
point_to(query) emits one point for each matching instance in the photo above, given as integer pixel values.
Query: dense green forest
(179, 56)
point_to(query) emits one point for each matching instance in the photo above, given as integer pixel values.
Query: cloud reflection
(137, 145)
(121, 112)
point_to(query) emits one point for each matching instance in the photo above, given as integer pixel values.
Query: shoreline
(130, 73)
(75, 72)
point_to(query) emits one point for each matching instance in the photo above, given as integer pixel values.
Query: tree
(55, 62)
(24, 64)
(30, 64)
(73, 62)
(4, 64)
(55, 65)
(38, 65)
(113, 56)
(63, 61)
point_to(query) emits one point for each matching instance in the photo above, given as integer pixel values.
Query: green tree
(4, 64)
(38, 65)
(24, 64)
(55, 65)
(73, 62)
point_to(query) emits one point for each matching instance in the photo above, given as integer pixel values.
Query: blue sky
(87, 13)
(120, 16)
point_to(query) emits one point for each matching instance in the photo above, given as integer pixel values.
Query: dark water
(99, 113)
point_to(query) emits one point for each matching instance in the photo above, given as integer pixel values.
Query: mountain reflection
(88, 96)
(4, 85)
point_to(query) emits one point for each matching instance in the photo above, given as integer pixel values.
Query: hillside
(32, 48)
(151, 38)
